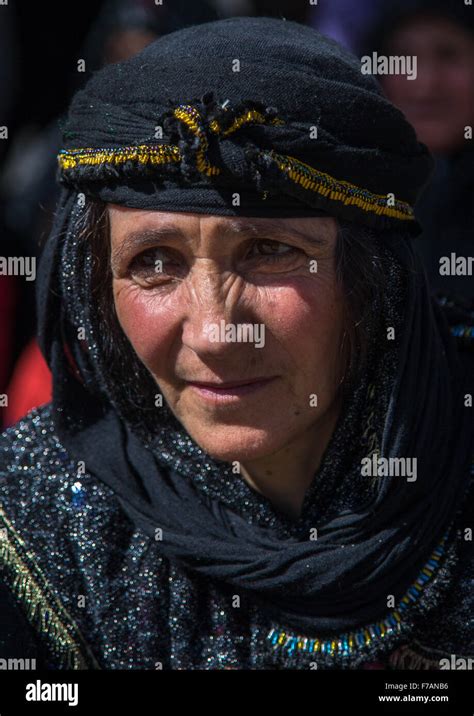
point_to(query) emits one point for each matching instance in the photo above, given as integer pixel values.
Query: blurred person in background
(439, 103)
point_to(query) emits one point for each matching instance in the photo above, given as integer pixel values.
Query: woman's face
(220, 300)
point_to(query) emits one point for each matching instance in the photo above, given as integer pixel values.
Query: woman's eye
(157, 262)
(270, 250)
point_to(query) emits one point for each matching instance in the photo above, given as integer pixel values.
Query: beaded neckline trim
(349, 643)
(463, 332)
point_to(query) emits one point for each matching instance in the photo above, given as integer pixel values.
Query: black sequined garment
(83, 588)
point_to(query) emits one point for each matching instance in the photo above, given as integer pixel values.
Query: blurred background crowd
(40, 47)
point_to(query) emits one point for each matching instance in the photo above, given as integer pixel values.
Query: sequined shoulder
(28, 447)
(29, 457)
(35, 469)
(52, 514)
(37, 472)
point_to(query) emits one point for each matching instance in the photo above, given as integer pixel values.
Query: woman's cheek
(146, 319)
(318, 330)
(306, 311)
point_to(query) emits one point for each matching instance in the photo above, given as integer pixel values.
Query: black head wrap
(370, 544)
(265, 108)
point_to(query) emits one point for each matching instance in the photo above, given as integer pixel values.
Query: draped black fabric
(363, 553)
(341, 579)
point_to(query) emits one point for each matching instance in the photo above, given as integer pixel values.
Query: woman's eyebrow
(273, 227)
(141, 239)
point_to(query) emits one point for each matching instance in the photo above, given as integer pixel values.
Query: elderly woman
(258, 452)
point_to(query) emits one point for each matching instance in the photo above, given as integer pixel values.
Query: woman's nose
(213, 305)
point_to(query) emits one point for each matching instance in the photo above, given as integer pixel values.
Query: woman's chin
(236, 444)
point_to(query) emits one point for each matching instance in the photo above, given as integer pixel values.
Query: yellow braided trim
(190, 117)
(42, 608)
(301, 173)
(252, 115)
(143, 153)
(339, 190)
(161, 154)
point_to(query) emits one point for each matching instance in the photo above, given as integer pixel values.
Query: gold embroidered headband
(294, 170)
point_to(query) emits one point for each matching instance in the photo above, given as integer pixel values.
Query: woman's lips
(231, 392)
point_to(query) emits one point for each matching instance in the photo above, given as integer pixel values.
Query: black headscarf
(265, 108)
(363, 553)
